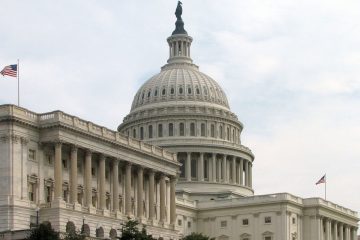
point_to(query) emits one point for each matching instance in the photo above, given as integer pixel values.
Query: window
(189, 224)
(192, 129)
(93, 173)
(245, 222)
(203, 129)
(193, 168)
(171, 129)
(182, 168)
(197, 91)
(228, 134)
(181, 90)
(267, 219)
(172, 91)
(179, 222)
(212, 130)
(48, 159)
(189, 90)
(65, 195)
(205, 91)
(206, 163)
(134, 133)
(155, 94)
(64, 163)
(163, 92)
(160, 130)
(149, 93)
(223, 224)
(293, 220)
(150, 131)
(48, 196)
(233, 135)
(182, 130)
(32, 155)
(142, 96)
(221, 132)
(31, 191)
(267, 238)
(141, 133)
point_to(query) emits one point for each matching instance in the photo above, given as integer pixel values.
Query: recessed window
(189, 224)
(150, 131)
(181, 91)
(197, 91)
(205, 91)
(93, 172)
(193, 168)
(245, 221)
(172, 91)
(149, 93)
(182, 129)
(202, 129)
(212, 130)
(267, 219)
(160, 130)
(228, 133)
(179, 222)
(267, 238)
(182, 168)
(31, 192)
(192, 129)
(134, 133)
(156, 92)
(171, 129)
(163, 92)
(223, 224)
(189, 90)
(141, 133)
(32, 155)
(142, 96)
(221, 133)
(294, 220)
(49, 159)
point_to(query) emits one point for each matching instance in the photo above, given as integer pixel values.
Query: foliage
(73, 235)
(197, 236)
(43, 232)
(130, 231)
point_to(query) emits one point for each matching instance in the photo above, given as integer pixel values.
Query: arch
(85, 229)
(70, 227)
(100, 232)
(113, 233)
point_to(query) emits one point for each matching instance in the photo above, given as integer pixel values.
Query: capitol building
(176, 164)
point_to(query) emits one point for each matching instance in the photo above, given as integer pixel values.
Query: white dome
(180, 83)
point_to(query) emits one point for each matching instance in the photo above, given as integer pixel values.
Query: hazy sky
(290, 70)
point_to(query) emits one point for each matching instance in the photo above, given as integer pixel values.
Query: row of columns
(179, 48)
(240, 170)
(115, 166)
(333, 230)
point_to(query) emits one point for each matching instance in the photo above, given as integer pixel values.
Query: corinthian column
(128, 189)
(341, 232)
(116, 185)
(172, 200)
(241, 171)
(88, 179)
(335, 231)
(140, 188)
(233, 170)
(246, 173)
(162, 198)
(102, 181)
(58, 171)
(224, 168)
(73, 176)
(151, 194)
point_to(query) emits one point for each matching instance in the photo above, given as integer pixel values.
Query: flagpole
(18, 78)
(325, 186)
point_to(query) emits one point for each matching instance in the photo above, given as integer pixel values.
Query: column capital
(74, 148)
(102, 156)
(88, 152)
(58, 143)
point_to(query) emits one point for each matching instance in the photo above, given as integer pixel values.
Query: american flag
(322, 180)
(10, 70)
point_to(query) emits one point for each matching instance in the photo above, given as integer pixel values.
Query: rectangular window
(160, 130)
(293, 220)
(179, 222)
(150, 131)
(203, 129)
(189, 224)
(223, 224)
(192, 129)
(193, 168)
(32, 155)
(141, 133)
(245, 222)
(206, 166)
(267, 219)
(48, 159)
(171, 129)
(48, 194)
(181, 129)
(212, 130)
(31, 192)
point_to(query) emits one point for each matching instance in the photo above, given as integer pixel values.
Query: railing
(75, 122)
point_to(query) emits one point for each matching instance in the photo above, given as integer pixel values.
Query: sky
(290, 70)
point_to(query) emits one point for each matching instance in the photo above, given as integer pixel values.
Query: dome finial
(179, 24)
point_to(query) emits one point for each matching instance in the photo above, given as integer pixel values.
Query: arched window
(160, 130)
(212, 130)
(221, 132)
(228, 133)
(156, 91)
(181, 129)
(192, 129)
(234, 137)
(181, 90)
(189, 90)
(150, 131)
(171, 129)
(149, 93)
(141, 133)
(163, 91)
(134, 133)
(203, 129)
(197, 91)
(172, 91)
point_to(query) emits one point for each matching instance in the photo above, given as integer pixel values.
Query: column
(73, 176)
(172, 200)
(162, 198)
(87, 174)
(250, 174)
(176, 48)
(214, 167)
(151, 194)
(219, 169)
(241, 171)
(188, 166)
(233, 170)
(328, 229)
(246, 173)
(140, 189)
(128, 189)
(335, 231)
(354, 234)
(115, 184)
(341, 231)
(201, 167)
(224, 168)
(347, 233)
(102, 181)
(58, 171)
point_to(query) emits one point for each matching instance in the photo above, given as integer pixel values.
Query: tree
(74, 235)
(130, 231)
(43, 232)
(197, 236)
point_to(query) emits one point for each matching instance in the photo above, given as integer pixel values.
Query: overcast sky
(290, 70)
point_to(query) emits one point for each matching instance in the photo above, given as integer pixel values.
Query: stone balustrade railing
(47, 119)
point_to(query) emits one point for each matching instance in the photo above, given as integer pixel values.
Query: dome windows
(163, 92)
(205, 91)
(172, 91)
(189, 90)
(182, 129)
(181, 90)
(156, 93)
(149, 93)
(197, 91)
